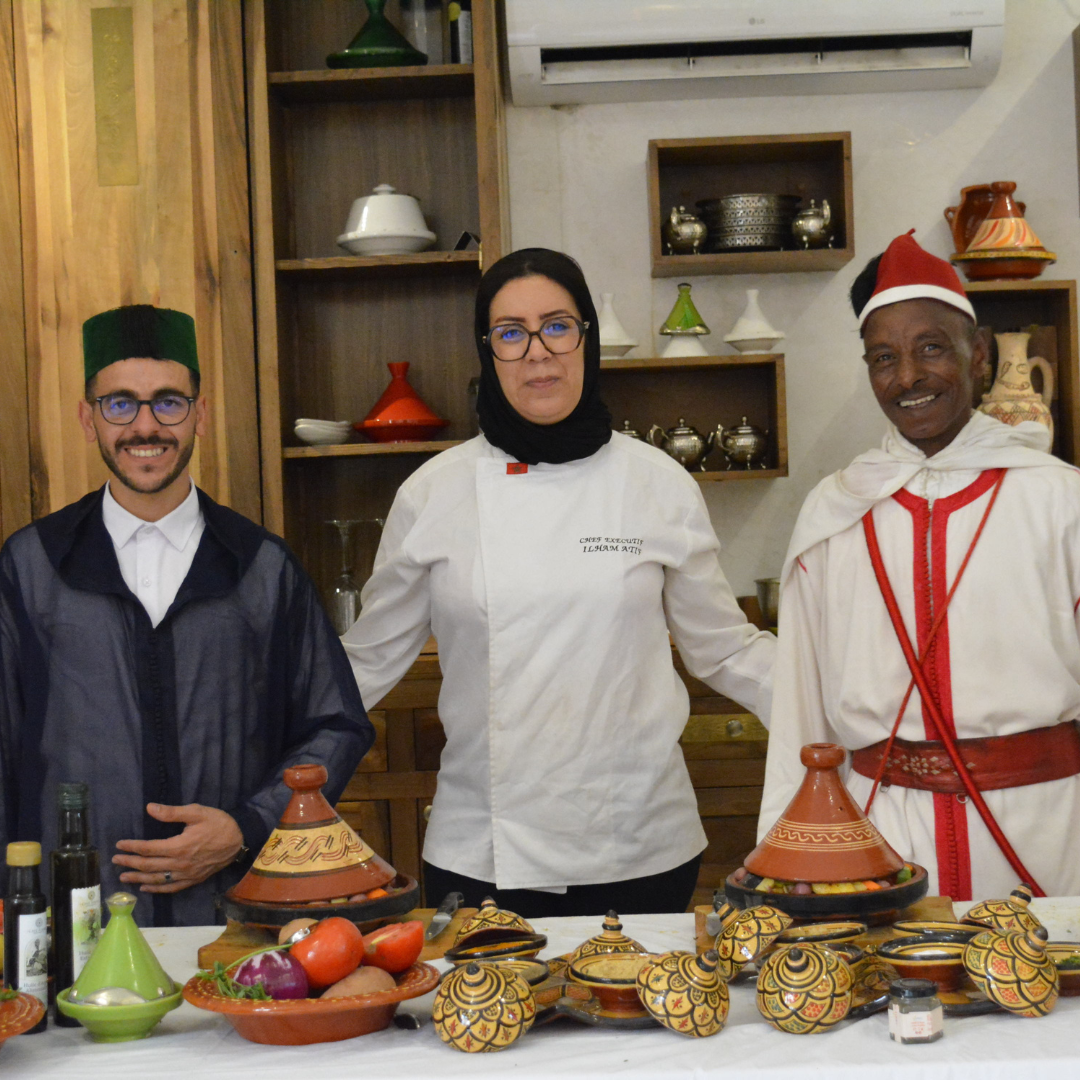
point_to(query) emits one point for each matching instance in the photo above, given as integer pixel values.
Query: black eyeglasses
(559, 334)
(168, 409)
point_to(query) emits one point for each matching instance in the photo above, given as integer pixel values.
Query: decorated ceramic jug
(610, 940)
(683, 442)
(1014, 970)
(491, 917)
(1009, 914)
(747, 936)
(685, 992)
(482, 1007)
(965, 218)
(804, 989)
(1012, 398)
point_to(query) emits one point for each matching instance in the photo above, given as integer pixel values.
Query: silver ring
(168, 877)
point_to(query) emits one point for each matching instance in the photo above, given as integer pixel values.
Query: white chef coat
(155, 556)
(551, 592)
(1008, 653)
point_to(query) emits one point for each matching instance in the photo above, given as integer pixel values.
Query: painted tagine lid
(823, 835)
(400, 406)
(312, 854)
(610, 940)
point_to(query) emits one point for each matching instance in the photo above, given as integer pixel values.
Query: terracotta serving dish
(879, 906)
(1068, 977)
(612, 978)
(312, 1020)
(941, 961)
(19, 1014)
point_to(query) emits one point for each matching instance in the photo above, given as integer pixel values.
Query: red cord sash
(918, 678)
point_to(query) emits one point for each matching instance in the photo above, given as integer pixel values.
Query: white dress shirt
(155, 556)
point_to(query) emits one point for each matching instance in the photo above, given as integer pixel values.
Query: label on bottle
(85, 925)
(33, 974)
(923, 1025)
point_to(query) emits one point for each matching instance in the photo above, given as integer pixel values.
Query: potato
(290, 928)
(364, 980)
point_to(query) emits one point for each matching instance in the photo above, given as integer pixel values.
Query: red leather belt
(1000, 761)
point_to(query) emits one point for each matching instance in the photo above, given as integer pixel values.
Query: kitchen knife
(443, 914)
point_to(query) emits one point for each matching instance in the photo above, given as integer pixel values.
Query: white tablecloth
(192, 1044)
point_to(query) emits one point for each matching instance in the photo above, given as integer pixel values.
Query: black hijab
(588, 427)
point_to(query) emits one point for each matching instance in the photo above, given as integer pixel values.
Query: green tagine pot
(379, 44)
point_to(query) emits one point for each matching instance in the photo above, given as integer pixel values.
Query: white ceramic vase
(752, 332)
(614, 340)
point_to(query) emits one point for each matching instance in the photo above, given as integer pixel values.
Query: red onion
(280, 973)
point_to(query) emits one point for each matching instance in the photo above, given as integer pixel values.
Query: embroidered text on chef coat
(624, 545)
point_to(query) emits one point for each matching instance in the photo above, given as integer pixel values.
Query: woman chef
(550, 557)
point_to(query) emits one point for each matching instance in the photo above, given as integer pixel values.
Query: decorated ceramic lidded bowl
(748, 936)
(685, 992)
(1009, 914)
(804, 989)
(480, 1008)
(1012, 968)
(610, 940)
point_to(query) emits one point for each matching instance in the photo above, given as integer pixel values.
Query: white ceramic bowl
(390, 244)
(310, 422)
(321, 438)
(754, 345)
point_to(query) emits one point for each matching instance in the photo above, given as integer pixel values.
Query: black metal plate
(835, 905)
(397, 903)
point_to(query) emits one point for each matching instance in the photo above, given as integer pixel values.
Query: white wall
(577, 183)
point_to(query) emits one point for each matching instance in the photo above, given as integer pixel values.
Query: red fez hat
(906, 272)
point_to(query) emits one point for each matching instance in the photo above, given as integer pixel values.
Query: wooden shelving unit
(1048, 309)
(704, 391)
(817, 166)
(330, 322)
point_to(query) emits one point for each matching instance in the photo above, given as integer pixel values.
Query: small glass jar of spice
(914, 1011)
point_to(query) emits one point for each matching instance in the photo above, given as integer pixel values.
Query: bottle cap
(24, 853)
(73, 796)
(913, 988)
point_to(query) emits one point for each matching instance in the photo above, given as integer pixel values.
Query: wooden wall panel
(179, 237)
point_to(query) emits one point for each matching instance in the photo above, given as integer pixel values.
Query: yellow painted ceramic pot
(1004, 915)
(610, 940)
(747, 936)
(481, 1007)
(1014, 970)
(804, 989)
(491, 917)
(685, 992)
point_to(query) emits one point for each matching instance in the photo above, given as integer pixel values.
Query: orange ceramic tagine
(400, 415)
(313, 858)
(1004, 245)
(823, 835)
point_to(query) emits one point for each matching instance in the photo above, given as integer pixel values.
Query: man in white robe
(1004, 664)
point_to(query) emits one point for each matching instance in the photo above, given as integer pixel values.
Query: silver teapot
(683, 232)
(628, 429)
(684, 443)
(810, 227)
(743, 445)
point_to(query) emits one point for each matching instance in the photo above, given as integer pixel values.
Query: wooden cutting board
(238, 939)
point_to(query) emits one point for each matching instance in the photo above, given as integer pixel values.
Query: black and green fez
(138, 330)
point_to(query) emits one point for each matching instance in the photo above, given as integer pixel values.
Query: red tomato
(332, 950)
(395, 947)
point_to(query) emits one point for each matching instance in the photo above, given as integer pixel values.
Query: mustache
(140, 440)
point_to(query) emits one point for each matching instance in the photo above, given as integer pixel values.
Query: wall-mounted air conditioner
(577, 51)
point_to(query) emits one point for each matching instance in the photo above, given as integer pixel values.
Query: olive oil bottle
(76, 891)
(26, 928)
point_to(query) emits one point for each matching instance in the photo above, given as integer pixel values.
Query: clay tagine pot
(804, 989)
(1004, 244)
(482, 1007)
(400, 415)
(610, 940)
(312, 855)
(1009, 914)
(965, 218)
(685, 993)
(1014, 970)
(822, 835)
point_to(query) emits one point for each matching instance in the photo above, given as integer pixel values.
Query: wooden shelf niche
(1048, 309)
(704, 391)
(683, 171)
(329, 322)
